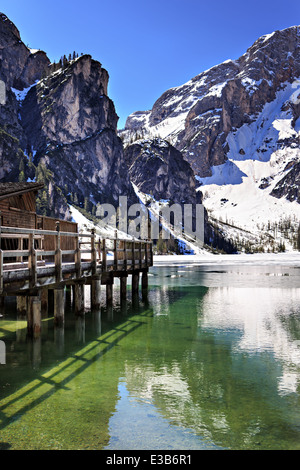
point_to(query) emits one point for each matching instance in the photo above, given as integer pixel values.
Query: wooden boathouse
(41, 254)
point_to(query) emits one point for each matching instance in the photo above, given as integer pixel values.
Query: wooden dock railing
(91, 255)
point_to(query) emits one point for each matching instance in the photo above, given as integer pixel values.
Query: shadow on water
(61, 353)
(218, 362)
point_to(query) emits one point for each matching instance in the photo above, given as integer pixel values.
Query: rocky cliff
(198, 116)
(58, 124)
(238, 126)
(158, 168)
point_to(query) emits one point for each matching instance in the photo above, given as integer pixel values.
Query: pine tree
(22, 171)
(86, 204)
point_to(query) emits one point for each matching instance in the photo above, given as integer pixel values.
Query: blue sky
(148, 46)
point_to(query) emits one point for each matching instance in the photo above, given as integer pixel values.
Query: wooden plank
(93, 252)
(32, 261)
(104, 258)
(58, 256)
(15, 253)
(115, 251)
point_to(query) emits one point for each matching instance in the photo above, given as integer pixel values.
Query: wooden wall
(49, 223)
(18, 211)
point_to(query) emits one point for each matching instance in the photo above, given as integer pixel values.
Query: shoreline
(287, 259)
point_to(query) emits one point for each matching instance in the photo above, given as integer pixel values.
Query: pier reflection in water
(210, 360)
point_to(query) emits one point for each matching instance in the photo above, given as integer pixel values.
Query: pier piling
(59, 265)
(59, 306)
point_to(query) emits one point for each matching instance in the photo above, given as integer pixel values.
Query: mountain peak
(7, 24)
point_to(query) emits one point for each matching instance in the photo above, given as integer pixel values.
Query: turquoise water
(209, 360)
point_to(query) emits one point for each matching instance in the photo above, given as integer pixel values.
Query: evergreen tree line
(272, 237)
(40, 174)
(63, 62)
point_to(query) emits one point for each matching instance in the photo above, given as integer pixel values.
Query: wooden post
(58, 255)
(146, 254)
(115, 251)
(125, 255)
(123, 288)
(59, 306)
(20, 247)
(78, 258)
(37, 317)
(22, 305)
(133, 255)
(44, 302)
(140, 254)
(34, 319)
(93, 252)
(96, 293)
(104, 264)
(109, 291)
(32, 260)
(145, 279)
(99, 249)
(135, 282)
(79, 298)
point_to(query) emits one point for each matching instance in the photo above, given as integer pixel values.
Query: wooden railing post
(125, 255)
(32, 260)
(58, 255)
(104, 264)
(93, 252)
(78, 258)
(115, 251)
(99, 249)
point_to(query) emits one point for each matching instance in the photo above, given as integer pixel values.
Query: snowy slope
(235, 192)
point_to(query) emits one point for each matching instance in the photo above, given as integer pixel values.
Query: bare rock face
(69, 105)
(58, 124)
(19, 67)
(157, 168)
(198, 116)
(289, 185)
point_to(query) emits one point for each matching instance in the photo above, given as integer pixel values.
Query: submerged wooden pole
(34, 317)
(96, 293)
(123, 288)
(44, 302)
(145, 279)
(135, 282)
(79, 298)
(22, 305)
(37, 317)
(59, 306)
(109, 293)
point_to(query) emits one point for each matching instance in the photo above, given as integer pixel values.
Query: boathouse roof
(14, 189)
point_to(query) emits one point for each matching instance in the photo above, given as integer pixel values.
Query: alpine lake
(208, 359)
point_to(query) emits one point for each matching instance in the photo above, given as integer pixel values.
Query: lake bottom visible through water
(210, 359)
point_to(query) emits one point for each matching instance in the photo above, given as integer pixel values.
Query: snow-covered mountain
(238, 125)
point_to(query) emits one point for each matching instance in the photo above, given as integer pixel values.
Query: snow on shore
(259, 259)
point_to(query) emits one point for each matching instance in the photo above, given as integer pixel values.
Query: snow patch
(21, 94)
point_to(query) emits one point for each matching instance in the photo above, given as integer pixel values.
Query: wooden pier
(45, 265)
